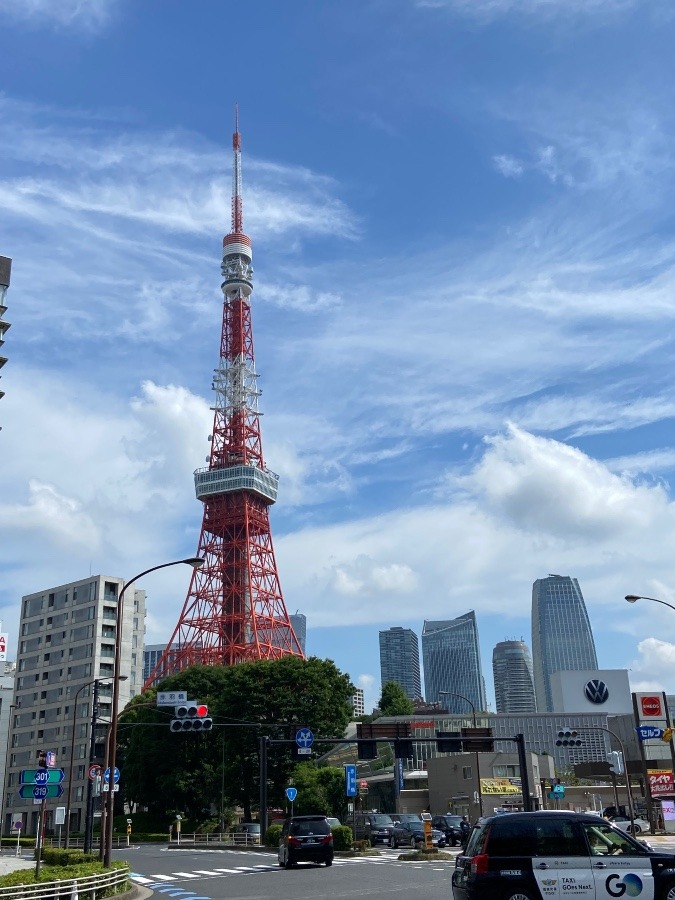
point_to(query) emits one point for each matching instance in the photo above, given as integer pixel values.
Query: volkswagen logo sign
(596, 691)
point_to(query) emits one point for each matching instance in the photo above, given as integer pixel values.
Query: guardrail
(66, 888)
(231, 838)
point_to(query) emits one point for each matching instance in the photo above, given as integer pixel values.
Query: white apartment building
(66, 642)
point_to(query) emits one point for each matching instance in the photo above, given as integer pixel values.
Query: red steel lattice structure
(234, 611)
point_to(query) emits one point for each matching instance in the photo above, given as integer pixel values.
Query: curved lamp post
(106, 839)
(473, 713)
(633, 598)
(95, 682)
(625, 766)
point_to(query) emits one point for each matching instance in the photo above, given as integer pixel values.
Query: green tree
(394, 700)
(194, 774)
(320, 790)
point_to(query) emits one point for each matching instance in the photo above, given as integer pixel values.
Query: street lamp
(95, 682)
(106, 839)
(625, 762)
(633, 598)
(473, 712)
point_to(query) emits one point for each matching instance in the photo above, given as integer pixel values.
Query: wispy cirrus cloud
(88, 15)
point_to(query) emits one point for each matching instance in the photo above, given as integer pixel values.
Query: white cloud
(85, 14)
(653, 670)
(509, 166)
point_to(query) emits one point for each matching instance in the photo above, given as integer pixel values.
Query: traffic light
(568, 738)
(191, 716)
(403, 749)
(477, 740)
(615, 760)
(366, 749)
(449, 741)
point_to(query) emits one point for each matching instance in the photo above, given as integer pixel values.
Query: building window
(466, 772)
(506, 771)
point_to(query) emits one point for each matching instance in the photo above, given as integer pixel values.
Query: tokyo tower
(234, 611)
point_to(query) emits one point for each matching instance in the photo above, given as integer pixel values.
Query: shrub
(272, 836)
(48, 873)
(362, 846)
(342, 837)
(55, 856)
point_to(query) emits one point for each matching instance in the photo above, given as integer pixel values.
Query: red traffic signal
(191, 716)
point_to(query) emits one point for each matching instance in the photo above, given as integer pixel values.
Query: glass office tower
(513, 678)
(400, 660)
(451, 657)
(562, 640)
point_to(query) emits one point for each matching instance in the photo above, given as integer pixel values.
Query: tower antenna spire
(237, 206)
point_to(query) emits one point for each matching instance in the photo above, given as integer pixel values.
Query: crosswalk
(156, 882)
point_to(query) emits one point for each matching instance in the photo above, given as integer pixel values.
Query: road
(190, 874)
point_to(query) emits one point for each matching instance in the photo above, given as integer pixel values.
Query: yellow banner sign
(498, 786)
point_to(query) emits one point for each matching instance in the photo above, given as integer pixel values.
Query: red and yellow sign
(660, 782)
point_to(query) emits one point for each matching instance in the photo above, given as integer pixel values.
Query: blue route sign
(291, 793)
(41, 776)
(304, 738)
(649, 732)
(40, 791)
(116, 775)
(350, 781)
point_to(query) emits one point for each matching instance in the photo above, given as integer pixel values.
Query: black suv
(305, 839)
(550, 854)
(451, 826)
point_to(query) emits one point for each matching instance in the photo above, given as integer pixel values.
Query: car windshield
(382, 820)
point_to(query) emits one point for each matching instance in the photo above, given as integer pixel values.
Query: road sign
(18, 825)
(649, 732)
(350, 781)
(51, 759)
(94, 772)
(171, 698)
(40, 791)
(106, 788)
(304, 738)
(41, 776)
(116, 776)
(291, 793)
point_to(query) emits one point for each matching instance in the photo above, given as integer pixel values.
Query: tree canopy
(394, 700)
(193, 773)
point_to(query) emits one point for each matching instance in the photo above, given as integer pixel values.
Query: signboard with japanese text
(660, 782)
(3, 647)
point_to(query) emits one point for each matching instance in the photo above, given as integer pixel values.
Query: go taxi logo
(630, 885)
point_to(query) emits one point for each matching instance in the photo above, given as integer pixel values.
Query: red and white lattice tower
(234, 611)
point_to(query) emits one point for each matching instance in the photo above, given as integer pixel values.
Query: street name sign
(171, 698)
(40, 791)
(42, 776)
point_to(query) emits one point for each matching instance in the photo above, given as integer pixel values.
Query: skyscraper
(562, 640)
(299, 626)
(400, 660)
(513, 677)
(5, 276)
(451, 656)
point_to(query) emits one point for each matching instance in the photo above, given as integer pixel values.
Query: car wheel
(394, 843)
(668, 891)
(329, 862)
(517, 894)
(289, 863)
(413, 842)
(636, 828)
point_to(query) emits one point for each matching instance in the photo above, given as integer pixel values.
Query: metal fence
(224, 838)
(87, 888)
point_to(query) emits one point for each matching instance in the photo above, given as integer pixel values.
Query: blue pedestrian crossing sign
(291, 793)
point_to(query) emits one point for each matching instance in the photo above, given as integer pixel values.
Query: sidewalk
(12, 863)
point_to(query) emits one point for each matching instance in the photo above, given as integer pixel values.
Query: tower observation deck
(234, 611)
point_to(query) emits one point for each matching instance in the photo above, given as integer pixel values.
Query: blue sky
(464, 247)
